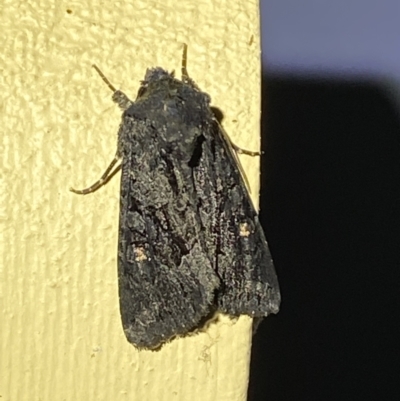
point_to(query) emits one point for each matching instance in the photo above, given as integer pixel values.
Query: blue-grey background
(330, 201)
(342, 37)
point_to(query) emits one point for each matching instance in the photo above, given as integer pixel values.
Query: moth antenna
(104, 78)
(185, 75)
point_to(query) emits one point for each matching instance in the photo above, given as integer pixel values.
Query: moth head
(152, 77)
(156, 74)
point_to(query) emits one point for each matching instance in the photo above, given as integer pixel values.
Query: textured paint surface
(61, 336)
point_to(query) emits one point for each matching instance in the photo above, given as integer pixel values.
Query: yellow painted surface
(60, 332)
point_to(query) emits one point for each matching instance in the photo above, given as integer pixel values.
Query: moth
(190, 242)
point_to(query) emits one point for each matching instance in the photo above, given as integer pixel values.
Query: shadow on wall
(330, 206)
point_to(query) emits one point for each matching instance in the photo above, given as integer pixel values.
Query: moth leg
(107, 175)
(242, 151)
(235, 151)
(118, 97)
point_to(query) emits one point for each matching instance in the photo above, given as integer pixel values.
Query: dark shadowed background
(330, 201)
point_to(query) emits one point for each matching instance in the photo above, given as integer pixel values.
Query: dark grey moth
(190, 242)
